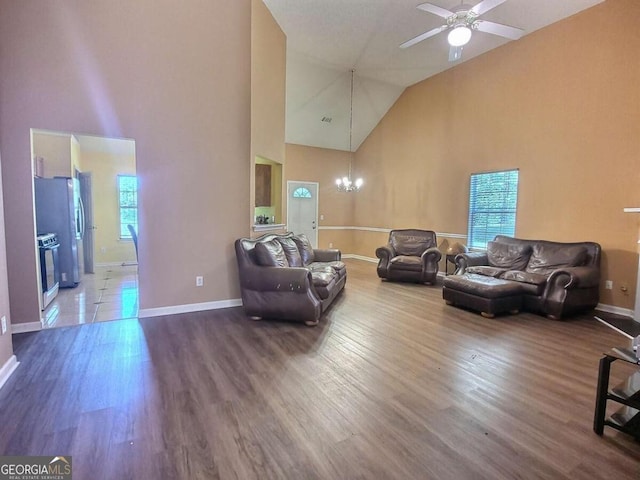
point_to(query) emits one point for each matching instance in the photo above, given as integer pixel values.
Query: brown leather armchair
(410, 256)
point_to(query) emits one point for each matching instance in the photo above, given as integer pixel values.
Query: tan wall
(174, 76)
(268, 83)
(6, 347)
(276, 192)
(104, 169)
(312, 164)
(562, 104)
(55, 149)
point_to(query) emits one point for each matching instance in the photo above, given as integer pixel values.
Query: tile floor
(111, 293)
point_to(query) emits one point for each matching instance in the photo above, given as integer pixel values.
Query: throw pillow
(305, 248)
(508, 255)
(291, 252)
(549, 257)
(270, 254)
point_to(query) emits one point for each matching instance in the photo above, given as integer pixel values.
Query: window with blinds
(493, 200)
(127, 204)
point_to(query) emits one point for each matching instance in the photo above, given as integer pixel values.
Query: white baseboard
(613, 328)
(26, 327)
(625, 312)
(384, 230)
(7, 369)
(193, 307)
(375, 260)
(116, 264)
(360, 257)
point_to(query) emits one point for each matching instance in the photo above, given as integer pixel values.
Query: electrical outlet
(330, 244)
(103, 250)
(321, 217)
(4, 324)
(199, 281)
(608, 284)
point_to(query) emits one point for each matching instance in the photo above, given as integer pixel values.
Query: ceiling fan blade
(455, 53)
(436, 10)
(423, 36)
(499, 29)
(485, 6)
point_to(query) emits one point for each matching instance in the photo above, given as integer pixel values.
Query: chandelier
(346, 184)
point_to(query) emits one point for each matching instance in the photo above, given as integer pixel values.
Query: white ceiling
(328, 38)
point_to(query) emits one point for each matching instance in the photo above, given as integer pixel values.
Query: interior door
(302, 209)
(88, 239)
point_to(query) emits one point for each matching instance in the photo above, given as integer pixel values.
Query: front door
(302, 209)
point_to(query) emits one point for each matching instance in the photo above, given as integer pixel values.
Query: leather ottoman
(486, 295)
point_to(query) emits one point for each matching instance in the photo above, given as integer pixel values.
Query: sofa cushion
(271, 254)
(338, 266)
(404, 262)
(494, 272)
(410, 245)
(305, 248)
(526, 277)
(532, 283)
(549, 257)
(323, 277)
(323, 281)
(508, 256)
(291, 251)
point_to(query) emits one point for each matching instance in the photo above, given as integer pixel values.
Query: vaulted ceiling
(326, 39)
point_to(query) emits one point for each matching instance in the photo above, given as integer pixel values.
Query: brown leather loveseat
(284, 277)
(552, 278)
(410, 256)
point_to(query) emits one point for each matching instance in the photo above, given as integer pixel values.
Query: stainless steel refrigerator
(59, 210)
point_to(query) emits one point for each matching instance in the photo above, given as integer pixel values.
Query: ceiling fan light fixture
(459, 36)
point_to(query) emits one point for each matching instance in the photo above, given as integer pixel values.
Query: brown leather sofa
(551, 278)
(410, 256)
(283, 277)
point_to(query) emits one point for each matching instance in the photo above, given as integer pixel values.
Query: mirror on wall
(86, 216)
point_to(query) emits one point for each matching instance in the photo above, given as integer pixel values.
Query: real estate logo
(35, 468)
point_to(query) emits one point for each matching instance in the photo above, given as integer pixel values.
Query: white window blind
(493, 199)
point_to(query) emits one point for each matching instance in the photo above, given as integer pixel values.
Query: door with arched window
(302, 209)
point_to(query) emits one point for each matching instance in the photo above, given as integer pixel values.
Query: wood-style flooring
(391, 384)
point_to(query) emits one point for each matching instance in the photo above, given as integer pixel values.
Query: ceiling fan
(461, 21)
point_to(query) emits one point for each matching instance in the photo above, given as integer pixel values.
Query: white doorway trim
(314, 240)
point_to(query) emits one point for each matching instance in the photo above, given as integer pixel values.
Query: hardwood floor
(391, 384)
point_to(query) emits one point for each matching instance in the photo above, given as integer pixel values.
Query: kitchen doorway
(105, 254)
